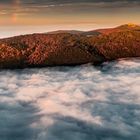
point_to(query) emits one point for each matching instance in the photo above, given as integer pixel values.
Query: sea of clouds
(71, 103)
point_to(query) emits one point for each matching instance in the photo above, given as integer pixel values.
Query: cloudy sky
(70, 14)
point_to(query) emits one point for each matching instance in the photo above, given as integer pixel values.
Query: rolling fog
(71, 103)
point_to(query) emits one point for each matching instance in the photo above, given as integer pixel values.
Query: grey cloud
(63, 1)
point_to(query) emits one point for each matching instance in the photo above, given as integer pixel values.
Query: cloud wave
(79, 103)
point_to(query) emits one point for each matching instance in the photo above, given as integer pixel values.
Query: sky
(67, 14)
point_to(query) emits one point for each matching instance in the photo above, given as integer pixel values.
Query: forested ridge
(37, 50)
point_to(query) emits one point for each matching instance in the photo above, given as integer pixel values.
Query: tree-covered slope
(39, 50)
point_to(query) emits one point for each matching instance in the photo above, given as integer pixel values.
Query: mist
(80, 103)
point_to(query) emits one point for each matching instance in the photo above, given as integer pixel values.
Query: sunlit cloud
(16, 6)
(102, 12)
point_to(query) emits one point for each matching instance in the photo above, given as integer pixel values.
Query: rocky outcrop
(38, 50)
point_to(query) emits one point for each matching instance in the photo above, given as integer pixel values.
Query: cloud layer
(50, 12)
(78, 103)
(63, 1)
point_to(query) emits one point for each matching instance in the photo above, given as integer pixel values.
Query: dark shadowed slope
(39, 50)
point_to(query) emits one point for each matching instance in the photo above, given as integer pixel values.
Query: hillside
(125, 27)
(66, 31)
(83, 33)
(42, 49)
(38, 50)
(118, 44)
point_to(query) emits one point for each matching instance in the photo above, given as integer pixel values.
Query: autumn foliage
(39, 50)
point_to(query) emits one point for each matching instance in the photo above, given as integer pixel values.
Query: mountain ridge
(129, 26)
(40, 50)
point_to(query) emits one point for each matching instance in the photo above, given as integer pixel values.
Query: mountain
(88, 33)
(66, 31)
(125, 27)
(129, 26)
(39, 50)
(116, 45)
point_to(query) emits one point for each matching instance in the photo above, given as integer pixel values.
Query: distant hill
(66, 31)
(84, 33)
(70, 47)
(129, 26)
(125, 27)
